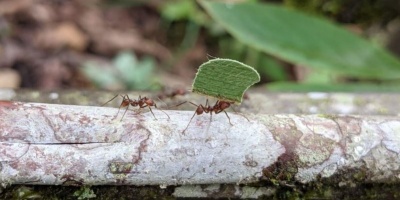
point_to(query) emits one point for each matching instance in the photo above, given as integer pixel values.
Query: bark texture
(349, 153)
(64, 144)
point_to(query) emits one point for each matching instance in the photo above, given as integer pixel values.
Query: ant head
(224, 105)
(125, 101)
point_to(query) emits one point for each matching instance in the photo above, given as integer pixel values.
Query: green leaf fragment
(224, 79)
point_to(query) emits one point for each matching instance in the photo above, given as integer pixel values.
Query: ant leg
(155, 105)
(177, 105)
(208, 127)
(152, 112)
(197, 106)
(125, 97)
(204, 108)
(188, 123)
(228, 117)
(162, 101)
(194, 104)
(240, 114)
(138, 111)
(124, 112)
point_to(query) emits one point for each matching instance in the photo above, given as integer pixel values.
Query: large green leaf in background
(302, 39)
(306, 87)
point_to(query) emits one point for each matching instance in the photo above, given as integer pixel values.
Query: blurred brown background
(140, 45)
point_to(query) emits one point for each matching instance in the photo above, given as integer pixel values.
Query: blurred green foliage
(354, 87)
(333, 52)
(268, 36)
(190, 11)
(125, 71)
(351, 11)
(269, 67)
(183, 10)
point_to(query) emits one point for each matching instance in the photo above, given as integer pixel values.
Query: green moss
(322, 188)
(24, 192)
(314, 149)
(360, 102)
(120, 167)
(360, 175)
(327, 116)
(282, 171)
(84, 193)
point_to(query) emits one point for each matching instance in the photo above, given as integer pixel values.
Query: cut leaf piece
(224, 79)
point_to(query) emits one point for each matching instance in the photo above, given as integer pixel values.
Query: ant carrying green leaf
(219, 106)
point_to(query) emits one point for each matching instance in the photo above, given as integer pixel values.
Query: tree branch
(64, 144)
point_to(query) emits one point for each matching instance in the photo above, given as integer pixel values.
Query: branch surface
(64, 144)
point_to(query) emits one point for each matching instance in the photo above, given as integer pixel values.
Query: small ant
(141, 102)
(175, 92)
(218, 107)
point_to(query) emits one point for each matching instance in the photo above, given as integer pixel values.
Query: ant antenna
(210, 56)
(187, 126)
(162, 101)
(109, 100)
(229, 119)
(160, 110)
(179, 104)
(123, 103)
(238, 113)
(149, 103)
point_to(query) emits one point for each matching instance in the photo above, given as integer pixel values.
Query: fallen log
(56, 144)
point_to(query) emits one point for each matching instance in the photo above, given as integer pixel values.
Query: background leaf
(355, 87)
(135, 74)
(303, 39)
(101, 77)
(126, 64)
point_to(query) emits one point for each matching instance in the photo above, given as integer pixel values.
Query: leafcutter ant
(140, 102)
(173, 93)
(218, 107)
